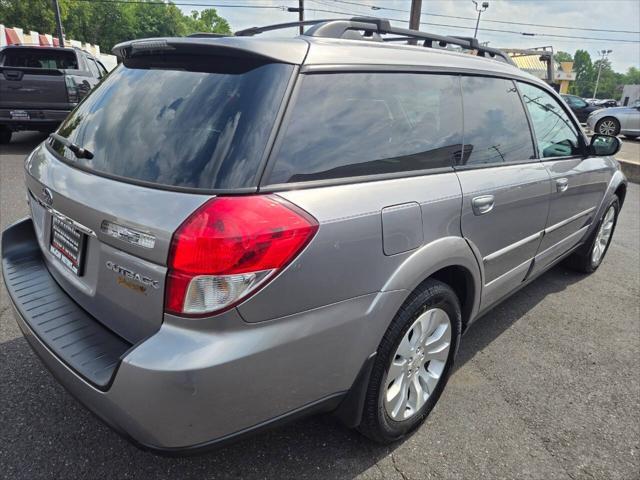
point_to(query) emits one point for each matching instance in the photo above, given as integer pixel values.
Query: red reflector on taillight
(229, 247)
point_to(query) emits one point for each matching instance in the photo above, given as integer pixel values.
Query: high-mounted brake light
(230, 247)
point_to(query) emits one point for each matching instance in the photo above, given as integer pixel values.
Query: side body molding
(424, 262)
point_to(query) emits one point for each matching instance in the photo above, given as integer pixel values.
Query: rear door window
(496, 129)
(38, 58)
(186, 121)
(355, 124)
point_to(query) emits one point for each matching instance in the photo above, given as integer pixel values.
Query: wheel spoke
(397, 369)
(401, 402)
(428, 379)
(396, 390)
(438, 343)
(405, 349)
(417, 394)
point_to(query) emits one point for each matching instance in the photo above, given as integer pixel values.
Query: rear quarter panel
(346, 259)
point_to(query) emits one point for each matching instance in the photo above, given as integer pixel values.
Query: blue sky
(593, 14)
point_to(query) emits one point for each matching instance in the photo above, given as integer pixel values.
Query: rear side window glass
(39, 58)
(93, 68)
(556, 134)
(191, 122)
(495, 124)
(354, 124)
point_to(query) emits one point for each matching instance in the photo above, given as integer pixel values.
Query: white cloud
(599, 14)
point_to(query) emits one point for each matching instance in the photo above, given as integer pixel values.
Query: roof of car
(314, 52)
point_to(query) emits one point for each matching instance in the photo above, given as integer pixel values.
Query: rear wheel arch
(460, 279)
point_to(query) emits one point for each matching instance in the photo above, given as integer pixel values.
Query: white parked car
(616, 120)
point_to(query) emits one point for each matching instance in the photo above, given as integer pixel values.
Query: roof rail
(344, 28)
(207, 35)
(249, 32)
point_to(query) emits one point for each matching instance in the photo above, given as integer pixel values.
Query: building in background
(539, 62)
(16, 36)
(630, 94)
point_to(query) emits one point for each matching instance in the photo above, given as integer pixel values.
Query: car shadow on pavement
(46, 433)
(23, 143)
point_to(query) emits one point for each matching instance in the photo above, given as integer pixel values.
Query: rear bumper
(38, 118)
(196, 384)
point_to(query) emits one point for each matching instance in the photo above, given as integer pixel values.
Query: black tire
(582, 259)
(376, 423)
(604, 122)
(5, 135)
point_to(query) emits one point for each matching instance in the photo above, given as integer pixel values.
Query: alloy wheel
(418, 364)
(607, 127)
(603, 236)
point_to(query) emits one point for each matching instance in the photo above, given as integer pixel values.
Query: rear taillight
(230, 247)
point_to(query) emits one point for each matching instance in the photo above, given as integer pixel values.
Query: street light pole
(604, 54)
(479, 9)
(56, 7)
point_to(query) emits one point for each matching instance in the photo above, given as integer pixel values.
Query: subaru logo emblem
(47, 196)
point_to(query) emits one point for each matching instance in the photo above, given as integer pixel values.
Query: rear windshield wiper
(77, 150)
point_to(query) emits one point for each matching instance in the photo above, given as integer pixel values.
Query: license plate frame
(67, 244)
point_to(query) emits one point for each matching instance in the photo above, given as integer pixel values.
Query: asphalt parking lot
(547, 386)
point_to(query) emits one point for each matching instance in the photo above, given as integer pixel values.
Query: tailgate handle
(483, 204)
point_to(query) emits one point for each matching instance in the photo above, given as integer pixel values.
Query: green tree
(610, 81)
(561, 56)
(582, 65)
(108, 23)
(28, 14)
(632, 77)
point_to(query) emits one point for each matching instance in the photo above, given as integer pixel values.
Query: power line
(513, 32)
(429, 14)
(527, 34)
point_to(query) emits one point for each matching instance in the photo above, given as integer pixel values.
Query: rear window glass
(200, 122)
(354, 124)
(39, 58)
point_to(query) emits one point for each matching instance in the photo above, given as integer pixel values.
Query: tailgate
(24, 88)
(157, 138)
(121, 279)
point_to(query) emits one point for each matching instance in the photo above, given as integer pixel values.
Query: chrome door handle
(562, 184)
(483, 204)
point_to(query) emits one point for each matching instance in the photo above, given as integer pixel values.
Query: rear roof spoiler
(273, 50)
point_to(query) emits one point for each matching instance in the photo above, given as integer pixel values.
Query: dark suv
(232, 232)
(39, 86)
(580, 107)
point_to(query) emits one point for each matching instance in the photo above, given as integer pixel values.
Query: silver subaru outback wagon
(232, 232)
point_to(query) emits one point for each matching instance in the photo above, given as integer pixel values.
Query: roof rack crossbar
(464, 42)
(339, 28)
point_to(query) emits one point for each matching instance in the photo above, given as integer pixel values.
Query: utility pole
(414, 18)
(479, 9)
(604, 54)
(301, 14)
(56, 7)
(300, 10)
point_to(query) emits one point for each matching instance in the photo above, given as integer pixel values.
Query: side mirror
(604, 145)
